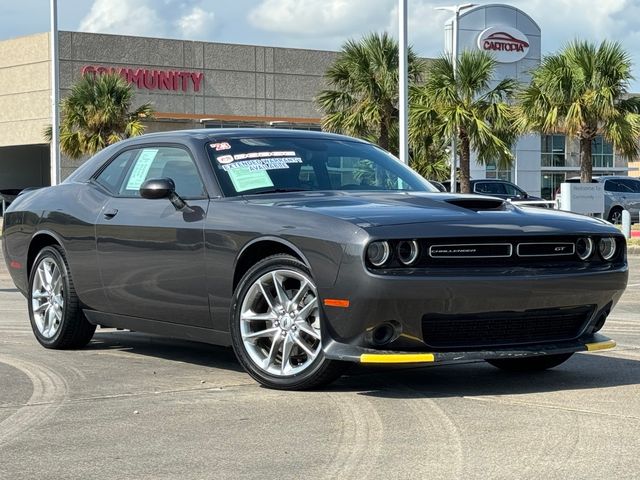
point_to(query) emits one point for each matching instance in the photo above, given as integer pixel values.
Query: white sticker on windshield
(141, 168)
(244, 179)
(262, 164)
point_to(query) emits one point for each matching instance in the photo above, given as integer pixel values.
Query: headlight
(408, 251)
(584, 247)
(378, 253)
(607, 247)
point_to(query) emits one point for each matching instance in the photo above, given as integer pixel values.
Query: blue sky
(322, 24)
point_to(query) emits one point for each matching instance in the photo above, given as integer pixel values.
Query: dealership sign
(152, 79)
(505, 43)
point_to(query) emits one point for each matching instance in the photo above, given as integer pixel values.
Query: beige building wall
(25, 92)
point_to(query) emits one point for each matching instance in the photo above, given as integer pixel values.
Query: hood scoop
(478, 204)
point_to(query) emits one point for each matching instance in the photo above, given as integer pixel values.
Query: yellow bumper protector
(592, 347)
(397, 358)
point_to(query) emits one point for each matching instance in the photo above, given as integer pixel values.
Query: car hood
(385, 208)
(373, 210)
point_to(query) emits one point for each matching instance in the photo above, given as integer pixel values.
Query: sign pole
(403, 90)
(55, 97)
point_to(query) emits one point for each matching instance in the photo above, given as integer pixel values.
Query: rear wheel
(56, 318)
(615, 215)
(530, 364)
(275, 326)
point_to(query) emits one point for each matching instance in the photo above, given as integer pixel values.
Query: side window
(513, 191)
(613, 186)
(111, 177)
(490, 188)
(631, 186)
(163, 162)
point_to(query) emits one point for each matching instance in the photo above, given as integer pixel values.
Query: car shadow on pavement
(582, 371)
(166, 348)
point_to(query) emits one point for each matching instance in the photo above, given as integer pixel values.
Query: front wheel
(615, 215)
(530, 364)
(275, 326)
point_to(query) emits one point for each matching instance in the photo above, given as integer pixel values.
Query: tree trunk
(465, 157)
(384, 134)
(586, 163)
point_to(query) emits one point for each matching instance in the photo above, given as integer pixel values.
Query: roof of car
(215, 133)
(601, 178)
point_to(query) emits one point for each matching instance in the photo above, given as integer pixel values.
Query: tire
(530, 364)
(56, 318)
(266, 321)
(615, 215)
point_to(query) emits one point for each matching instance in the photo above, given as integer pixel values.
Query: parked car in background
(620, 193)
(438, 185)
(496, 188)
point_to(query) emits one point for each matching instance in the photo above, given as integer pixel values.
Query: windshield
(247, 166)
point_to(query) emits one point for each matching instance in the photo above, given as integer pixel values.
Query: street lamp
(403, 79)
(454, 60)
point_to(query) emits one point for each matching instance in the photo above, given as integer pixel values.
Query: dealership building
(201, 84)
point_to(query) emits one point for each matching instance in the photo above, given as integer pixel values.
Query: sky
(316, 24)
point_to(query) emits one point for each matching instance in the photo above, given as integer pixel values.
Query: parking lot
(137, 406)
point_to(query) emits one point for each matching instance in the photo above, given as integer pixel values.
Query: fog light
(607, 247)
(378, 253)
(584, 247)
(408, 251)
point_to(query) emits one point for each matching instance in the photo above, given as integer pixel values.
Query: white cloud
(313, 18)
(186, 19)
(196, 24)
(131, 17)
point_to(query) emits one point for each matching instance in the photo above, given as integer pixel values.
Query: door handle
(109, 214)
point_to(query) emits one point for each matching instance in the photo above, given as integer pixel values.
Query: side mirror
(155, 188)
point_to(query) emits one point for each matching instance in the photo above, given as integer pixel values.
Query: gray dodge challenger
(306, 252)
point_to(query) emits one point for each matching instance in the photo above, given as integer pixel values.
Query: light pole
(454, 60)
(403, 79)
(54, 167)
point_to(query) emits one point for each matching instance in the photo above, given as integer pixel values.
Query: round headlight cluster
(378, 253)
(381, 252)
(407, 251)
(607, 247)
(584, 247)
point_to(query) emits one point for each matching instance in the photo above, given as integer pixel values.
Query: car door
(151, 255)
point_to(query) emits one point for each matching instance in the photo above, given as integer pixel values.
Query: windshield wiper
(279, 190)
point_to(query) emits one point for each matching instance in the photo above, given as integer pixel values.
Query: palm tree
(582, 92)
(98, 113)
(362, 98)
(464, 103)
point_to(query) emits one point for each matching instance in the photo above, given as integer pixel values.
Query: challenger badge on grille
(476, 250)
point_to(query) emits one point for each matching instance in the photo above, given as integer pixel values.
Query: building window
(550, 184)
(492, 171)
(553, 150)
(601, 152)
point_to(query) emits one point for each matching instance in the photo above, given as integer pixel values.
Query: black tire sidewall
(290, 382)
(54, 254)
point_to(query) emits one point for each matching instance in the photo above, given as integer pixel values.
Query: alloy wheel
(47, 298)
(280, 322)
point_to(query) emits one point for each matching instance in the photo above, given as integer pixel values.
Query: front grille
(505, 328)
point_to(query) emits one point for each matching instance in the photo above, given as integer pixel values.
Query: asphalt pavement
(143, 407)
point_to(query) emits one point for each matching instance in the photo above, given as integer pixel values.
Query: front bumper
(351, 353)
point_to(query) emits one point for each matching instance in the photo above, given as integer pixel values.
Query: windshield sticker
(225, 159)
(244, 179)
(141, 169)
(262, 164)
(220, 146)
